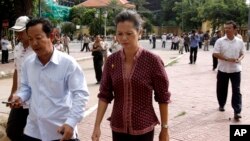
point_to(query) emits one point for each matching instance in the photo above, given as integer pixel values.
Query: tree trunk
(23, 7)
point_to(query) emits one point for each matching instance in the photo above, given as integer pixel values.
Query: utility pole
(40, 8)
(248, 27)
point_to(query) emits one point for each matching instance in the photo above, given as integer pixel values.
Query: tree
(68, 28)
(218, 12)
(168, 14)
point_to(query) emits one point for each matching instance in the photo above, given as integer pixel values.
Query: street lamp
(105, 22)
(78, 27)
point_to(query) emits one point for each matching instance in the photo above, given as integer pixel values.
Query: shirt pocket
(56, 87)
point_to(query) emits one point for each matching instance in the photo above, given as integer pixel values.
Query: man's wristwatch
(164, 126)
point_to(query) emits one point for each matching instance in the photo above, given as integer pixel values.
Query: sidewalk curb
(171, 61)
(6, 74)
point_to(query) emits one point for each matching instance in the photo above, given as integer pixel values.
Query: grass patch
(181, 114)
(7, 76)
(172, 63)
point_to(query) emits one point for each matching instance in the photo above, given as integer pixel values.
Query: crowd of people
(49, 91)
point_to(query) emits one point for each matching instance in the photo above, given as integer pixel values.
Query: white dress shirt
(58, 95)
(229, 49)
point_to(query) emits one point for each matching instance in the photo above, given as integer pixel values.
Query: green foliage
(148, 26)
(96, 27)
(191, 13)
(68, 28)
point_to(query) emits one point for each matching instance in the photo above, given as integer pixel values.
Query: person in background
(186, 42)
(150, 37)
(213, 40)
(154, 41)
(97, 49)
(200, 34)
(176, 41)
(65, 41)
(194, 43)
(5, 43)
(55, 85)
(18, 116)
(115, 46)
(181, 44)
(206, 38)
(164, 40)
(130, 77)
(230, 51)
(59, 45)
(86, 41)
(237, 34)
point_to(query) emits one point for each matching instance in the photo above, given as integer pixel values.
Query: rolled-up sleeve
(106, 91)
(160, 82)
(217, 46)
(80, 95)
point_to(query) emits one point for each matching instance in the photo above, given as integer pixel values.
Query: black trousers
(5, 56)
(200, 44)
(175, 46)
(16, 123)
(154, 44)
(222, 87)
(163, 44)
(87, 47)
(215, 62)
(98, 62)
(193, 54)
(127, 137)
(28, 138)
(186, 47)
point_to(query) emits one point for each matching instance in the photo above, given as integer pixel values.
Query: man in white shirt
(18, 116)
(230, 51)
(5, 51)
(164, 40)
(55, 85)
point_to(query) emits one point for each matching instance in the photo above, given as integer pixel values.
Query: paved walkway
(193, 114)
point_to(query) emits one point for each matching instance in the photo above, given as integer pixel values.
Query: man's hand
(16, 102)
(66, 131)
(9, 99)
(164, 136)
(96, 134)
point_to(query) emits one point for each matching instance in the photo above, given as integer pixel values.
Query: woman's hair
(132, 16)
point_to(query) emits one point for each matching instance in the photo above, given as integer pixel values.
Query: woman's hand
(164, 136)
(96, 134)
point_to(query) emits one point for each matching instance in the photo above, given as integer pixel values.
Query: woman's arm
(102, 107)
(164, 136)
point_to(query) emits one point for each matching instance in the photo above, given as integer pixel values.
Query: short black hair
(232, 23)
(132, 16)
(47, 26)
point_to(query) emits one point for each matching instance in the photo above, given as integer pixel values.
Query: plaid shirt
(133, 110)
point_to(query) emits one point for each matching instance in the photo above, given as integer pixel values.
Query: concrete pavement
(193, 114)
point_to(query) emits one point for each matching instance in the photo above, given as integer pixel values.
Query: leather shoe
(237, 116)
(221, 109)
